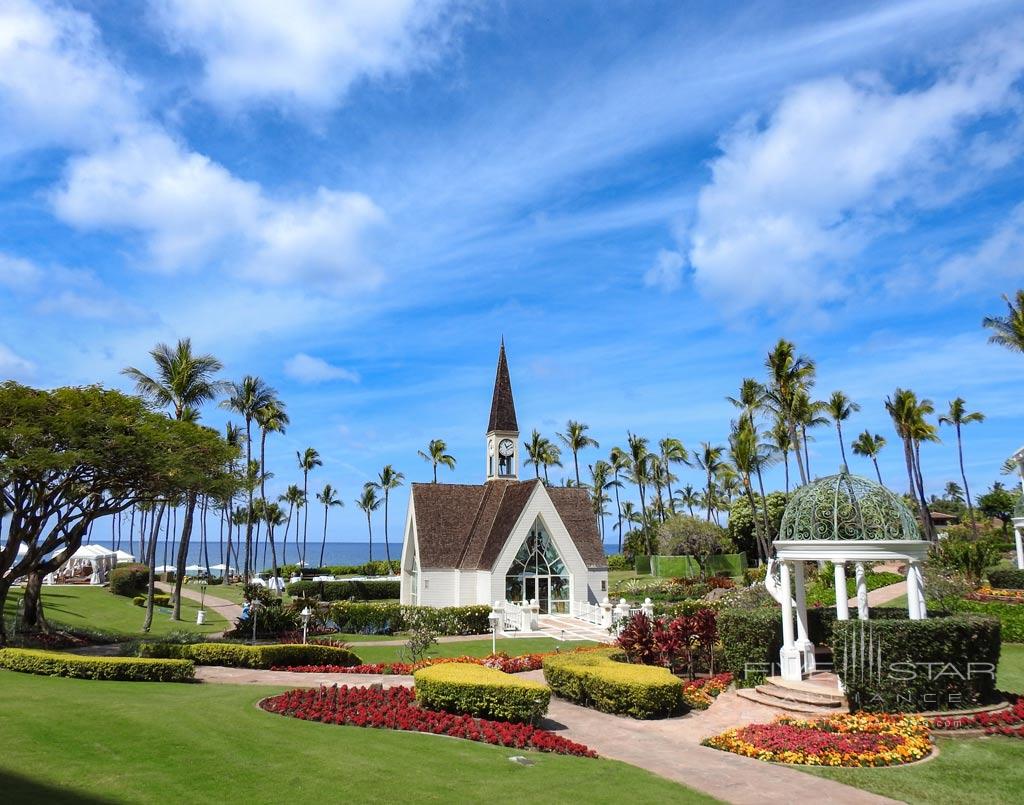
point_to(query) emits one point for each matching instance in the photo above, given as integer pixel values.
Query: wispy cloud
(13, 365)
(309, 369)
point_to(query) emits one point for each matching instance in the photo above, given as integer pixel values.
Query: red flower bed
(395, 709)
(502, 662)
(1002, 722)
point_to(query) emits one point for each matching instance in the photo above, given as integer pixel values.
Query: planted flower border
(861, 739)
(1008, 722)
(396, 709)
(500, 662)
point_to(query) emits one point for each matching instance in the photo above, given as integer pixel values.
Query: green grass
(1010, 674)
(97, 608)
(617, 576)
(967, 771)
(370, 653)
(229, 592)
(74, 740)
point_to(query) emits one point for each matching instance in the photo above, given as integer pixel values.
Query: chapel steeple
(502, 428)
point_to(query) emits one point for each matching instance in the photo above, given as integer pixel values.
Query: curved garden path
(228, 609)
(669, 748)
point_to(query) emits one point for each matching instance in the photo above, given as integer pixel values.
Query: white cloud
(17, 273)
(306, 52)
(792, 201)
(308, 369)
(57, 87)
(13, 365)
(1000, 256)
(192, 212)
(667, 271)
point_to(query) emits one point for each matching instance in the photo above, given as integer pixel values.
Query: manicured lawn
(97, 608)
(616, 576)
(73, 740)
(1010, 674)
(229, 592)
(967, 770)
(361, 638)
(370, 653)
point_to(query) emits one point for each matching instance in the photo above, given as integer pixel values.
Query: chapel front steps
(817, 694)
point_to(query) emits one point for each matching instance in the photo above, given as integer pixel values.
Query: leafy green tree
(998, 502)
(70, 456)
(435, 454)
(870, 446)
(183, 381)
(576, 439)
(957, 417)
(741, 520)
(682, 535)
(328, 497)
(1008, 330)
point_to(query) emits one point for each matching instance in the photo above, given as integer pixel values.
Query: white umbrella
(123, 556)
(164, 569)
(194, 568)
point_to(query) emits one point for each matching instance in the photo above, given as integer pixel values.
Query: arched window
(538, 572)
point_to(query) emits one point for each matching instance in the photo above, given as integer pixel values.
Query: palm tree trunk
(762, 545)
(179, 567)
(708, 501)
(287, 525)
(151, 562)
(764, 503)
(387, 548)
(842, 449)
(963, 476)
(305, 513)
(248, 517)
(618, 506)
(202, 533)
(929, 529)
(796, 449)
(435, 472)
(323, 542)
(369, 529)
(878, 472)
(922, 510)
(785, 462)
(807, 453)
(576, 462)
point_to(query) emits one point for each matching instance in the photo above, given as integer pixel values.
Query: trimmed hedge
(481, 691)
(345, 590)
(129, 580)
(125, 669)
(602, 680)
(686, 567)
(159, 600)
(1011, 616)
(387, 618)
(895, 666)
(1006, 579)
(239, 655)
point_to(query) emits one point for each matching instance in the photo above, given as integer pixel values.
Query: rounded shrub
(129, 580)
(481, 691)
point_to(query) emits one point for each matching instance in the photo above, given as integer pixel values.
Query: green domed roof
(847, 507)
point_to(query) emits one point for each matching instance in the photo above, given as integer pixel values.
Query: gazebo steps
(811, 699)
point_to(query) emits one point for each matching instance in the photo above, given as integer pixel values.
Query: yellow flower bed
(861, 739)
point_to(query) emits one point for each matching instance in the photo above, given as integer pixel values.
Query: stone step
(818, 684)
(804, 697)
(799, 708)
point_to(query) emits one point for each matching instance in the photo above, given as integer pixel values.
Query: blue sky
(357, 200)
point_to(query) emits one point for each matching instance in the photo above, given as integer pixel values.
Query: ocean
(335, 553)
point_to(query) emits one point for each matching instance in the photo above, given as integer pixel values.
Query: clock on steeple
(502, 429)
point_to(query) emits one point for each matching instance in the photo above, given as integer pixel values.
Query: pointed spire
(503, 407)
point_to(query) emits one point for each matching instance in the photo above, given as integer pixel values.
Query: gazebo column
(1018, 537)
(862, 592)
(921, 605)
(803, 642)
(913, 595)
(789, 654)
(842, 604)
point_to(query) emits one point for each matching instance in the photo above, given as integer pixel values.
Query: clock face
(506, 448)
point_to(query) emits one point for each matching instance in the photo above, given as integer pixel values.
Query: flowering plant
(861, 739)
(1000, 722)
(987, 593)
(395, 709)
(700, 693)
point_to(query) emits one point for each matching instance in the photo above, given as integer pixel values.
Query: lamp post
(201, 614)
(305, 623)
(493, 617)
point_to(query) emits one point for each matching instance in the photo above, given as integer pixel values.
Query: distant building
(943, 519)
(505, 539)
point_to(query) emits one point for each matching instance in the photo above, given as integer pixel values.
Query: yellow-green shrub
(600, 680)
(238, 655)
(132, 669)
(481, 691)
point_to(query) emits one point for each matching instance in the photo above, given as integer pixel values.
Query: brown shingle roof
(465, 526)
(503, 407)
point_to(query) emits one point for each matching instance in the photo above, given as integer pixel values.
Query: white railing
(513, 617)
(585, 611)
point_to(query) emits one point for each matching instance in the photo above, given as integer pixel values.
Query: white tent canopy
(101, 561)
(123, 556)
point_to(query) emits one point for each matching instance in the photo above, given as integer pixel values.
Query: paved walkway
(566, 627)
(883, 595)
(293, 679)
(229, 609)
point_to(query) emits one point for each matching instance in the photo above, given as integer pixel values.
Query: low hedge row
(159, 600)
(346, 590)
(387, 618)
(126, 669)
(238, 655)
(481, 691)
(1010, 616)
(600, 679)
(904, 666)
(1006, 579)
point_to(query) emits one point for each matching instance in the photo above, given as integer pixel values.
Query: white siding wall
(439, 588)
(594, 580)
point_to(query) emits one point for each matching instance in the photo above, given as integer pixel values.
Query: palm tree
(840, 407)
(273, 516)
(551, 456)
(233, 436)
(436, 454)
(870, 446)
(672, 452)
(183, 381)
(709, 459)
(631, 517)
(271, 418)
(246, 398)
(743, 452)
(958, 416)
(535, 449)
(788, 375)
(576, 439)
(295, 500)
(388, 479)
(954, 492)
(906, 411)
(1008, 330)
(808, 414)
(619, 461)
(369, 503)
(600, 483)
(309, 460)
(639, 466)
(782, 444)
(328, 497)
(689, 497)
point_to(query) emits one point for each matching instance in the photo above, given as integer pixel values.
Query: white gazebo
(843, 519)
(1018, 512)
